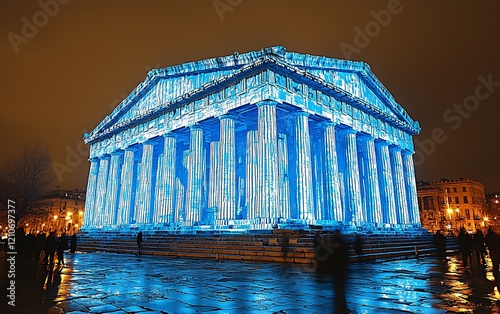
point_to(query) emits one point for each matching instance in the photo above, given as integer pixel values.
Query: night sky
(64, 67)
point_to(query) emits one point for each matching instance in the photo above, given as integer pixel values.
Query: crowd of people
(476, 245)
(44, 248)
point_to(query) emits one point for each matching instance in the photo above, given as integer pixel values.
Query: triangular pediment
(167, 88)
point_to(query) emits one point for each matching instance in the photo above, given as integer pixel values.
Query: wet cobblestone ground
(121, 283)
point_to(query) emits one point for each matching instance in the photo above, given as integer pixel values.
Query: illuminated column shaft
(352, 187)
(267, 184)
(252, 173)
(399, 185)
(386, 184)
(373, 207)
(125, 202)
(213, 188)
(143, 198)
(91, 193)
(333, 202)
(195, 175)
(112, 190)
(159, 199)
(284, 184)
(305, 202)
(101, 196)
(227, 175)
(411, 187)
(169, 178)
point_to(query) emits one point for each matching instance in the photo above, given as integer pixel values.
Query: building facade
(449, 205)
(257, 140)
(60, 211)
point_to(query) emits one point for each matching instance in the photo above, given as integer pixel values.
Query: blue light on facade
(258, 140)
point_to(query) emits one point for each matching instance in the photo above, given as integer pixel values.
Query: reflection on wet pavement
(120, 283)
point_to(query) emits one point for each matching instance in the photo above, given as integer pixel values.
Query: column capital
(104, 157)
(347, 131)
(195, 126)
(380, 142)
(406, 152)
(365, 137)
(395, 148)
(267, 103)
(301, 113)
(170, 135)
(118, 152)
(227, 116)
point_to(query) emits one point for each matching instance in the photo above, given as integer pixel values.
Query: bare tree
(26, 179)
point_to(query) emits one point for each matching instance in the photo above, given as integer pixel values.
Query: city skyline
(65, 65)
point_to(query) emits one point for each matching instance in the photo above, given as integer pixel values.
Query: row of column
(363, 179)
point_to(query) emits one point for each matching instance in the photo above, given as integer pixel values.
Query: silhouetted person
(139, 242)
(464, 244)
(63, 246)
(29, 245)
(440, 243)
(479, 247)
(39, 246)
(358, 246)
(50, 248)
(73, 243)
(493, 242)
(339, 263)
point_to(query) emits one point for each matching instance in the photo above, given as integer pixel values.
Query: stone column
(227, 177)
(213, 176)
(333, 201)
(127, 175)
(88, 218)
(369, 174)
(305, 202)
(386, 184)
(284, 183)
(195, 175)
(101, 195)
(267, 177)
(352, 187)
(411, 187)
(399, 185)
(144, 190)
(252, 174)
(165, 210)
(113, 189)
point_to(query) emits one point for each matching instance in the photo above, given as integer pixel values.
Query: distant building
(493, 204)
(62, 211)
(452, 204)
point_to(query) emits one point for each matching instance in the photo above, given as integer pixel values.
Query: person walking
(440, 243)
(479, 247)
(63, 246)
(73, 243)
(139, 243)
(492, 240)
(464, 244)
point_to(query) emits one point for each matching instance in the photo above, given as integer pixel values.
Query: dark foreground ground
(125, 283)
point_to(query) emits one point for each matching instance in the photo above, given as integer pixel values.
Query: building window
(466, 200)
(454, 189)
(457, 200)
(467, 214)
(464, 189)
(449, 199)
(448, 190)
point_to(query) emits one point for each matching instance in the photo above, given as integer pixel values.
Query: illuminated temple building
(261, 140)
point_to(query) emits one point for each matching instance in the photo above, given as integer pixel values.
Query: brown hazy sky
(62, 75)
